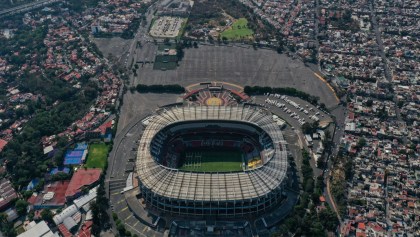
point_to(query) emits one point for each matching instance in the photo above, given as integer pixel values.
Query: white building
(38, 230)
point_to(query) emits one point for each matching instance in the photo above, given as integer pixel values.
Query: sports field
(165, 62)
(97, 156)
(212, 161)
(238, 31)
(162, 47)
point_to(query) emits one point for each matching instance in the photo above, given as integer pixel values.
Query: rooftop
(53, 195)
(38, 230)
(3, 143)
(7, 193)
(81, 178)
(213, 186)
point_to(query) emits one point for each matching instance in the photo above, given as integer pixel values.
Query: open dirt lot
(243, 66)
(115, 46)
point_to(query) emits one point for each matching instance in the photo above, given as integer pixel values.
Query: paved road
(125, 146)
(388, 74)
(142, 36)
(121, 157)
(340, 114)
(395, 99)
(26, 7)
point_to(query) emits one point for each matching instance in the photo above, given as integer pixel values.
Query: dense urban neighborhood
(68, 68)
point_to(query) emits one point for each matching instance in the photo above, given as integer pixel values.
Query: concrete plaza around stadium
(136, 106)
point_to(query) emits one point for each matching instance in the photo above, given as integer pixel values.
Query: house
(7, 194)
(3, 143)
(53, 195)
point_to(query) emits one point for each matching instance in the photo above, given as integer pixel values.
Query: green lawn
(97, 156)
(20, 230)
(239, 30)
(212, 161)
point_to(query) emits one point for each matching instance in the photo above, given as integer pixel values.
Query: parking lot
(297, 112)
(167, 27)
(242, 66)
(293, 109)
(139, 105)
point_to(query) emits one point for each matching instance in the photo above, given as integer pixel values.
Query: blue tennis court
(73, 157)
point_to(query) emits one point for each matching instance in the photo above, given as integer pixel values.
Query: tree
(60, 176)
(309, 128)
(114, 216)
(59, 157)
(361, 142)
(99, 208)
(329, 219)
(180, 51)
(96, 227)
(175, 88)
(47, 215)
(21, 206)
(27, 194)
(3, 217)
(320, 162)
(7, 228)
(348, 169)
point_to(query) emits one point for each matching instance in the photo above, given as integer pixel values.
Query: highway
(26, 7)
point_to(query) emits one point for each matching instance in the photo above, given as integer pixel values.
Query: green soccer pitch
(97, 156)
(212, 161)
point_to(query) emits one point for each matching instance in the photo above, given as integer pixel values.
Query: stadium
(220, 161)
